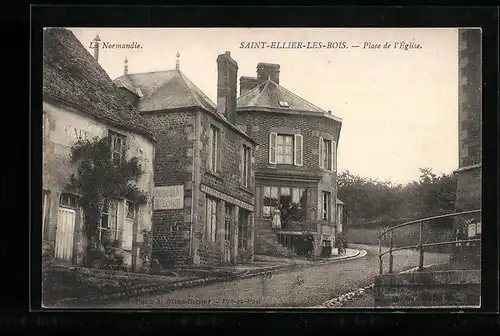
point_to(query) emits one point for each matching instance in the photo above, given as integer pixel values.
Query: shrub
(341, 242)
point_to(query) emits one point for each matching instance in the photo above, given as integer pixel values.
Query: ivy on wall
(99, 178)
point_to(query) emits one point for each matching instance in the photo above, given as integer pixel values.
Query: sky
(399, 108)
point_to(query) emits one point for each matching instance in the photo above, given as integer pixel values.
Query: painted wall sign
(169, 198)
(77, 133)
(227, 198)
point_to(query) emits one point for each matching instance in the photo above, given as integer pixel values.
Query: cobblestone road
(306, 287)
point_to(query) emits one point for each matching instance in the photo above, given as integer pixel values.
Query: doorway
(66, 220)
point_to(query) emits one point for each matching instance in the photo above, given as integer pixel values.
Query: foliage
(372, 201)
(341, 241)
(147, 244)
(98, 178)
(305, 243)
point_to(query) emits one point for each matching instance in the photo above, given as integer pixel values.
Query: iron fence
(421, 245)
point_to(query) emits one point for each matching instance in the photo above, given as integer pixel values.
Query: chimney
(227, 79)
(247, 84)
(97, 39)
(267, 71)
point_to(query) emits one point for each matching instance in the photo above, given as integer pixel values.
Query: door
(66, 219)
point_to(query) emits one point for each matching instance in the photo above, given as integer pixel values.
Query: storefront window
(292, 203)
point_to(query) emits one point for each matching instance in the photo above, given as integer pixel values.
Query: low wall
(457, 288)
(404, 236)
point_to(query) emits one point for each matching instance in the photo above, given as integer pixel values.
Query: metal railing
(420, 246)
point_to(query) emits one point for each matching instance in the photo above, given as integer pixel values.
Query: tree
(373, 201)
(99, 178)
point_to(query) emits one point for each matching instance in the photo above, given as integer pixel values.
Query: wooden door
(66, 219)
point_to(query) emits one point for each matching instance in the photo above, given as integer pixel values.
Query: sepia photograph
(322, 168)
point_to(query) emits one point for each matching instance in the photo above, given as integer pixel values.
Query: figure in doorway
(276, 225)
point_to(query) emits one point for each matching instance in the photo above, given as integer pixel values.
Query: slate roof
(269, 94)
(164, 90)
(72, 75)
(169, 90)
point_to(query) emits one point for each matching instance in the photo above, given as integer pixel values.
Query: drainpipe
(194, 174)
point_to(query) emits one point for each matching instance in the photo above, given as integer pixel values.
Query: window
(213, 136)
(245, 165)
(243, 229)
(285, 149)
(109, 231)
(292, 203)
(284, 104)
(117, 145)
(68, 201)
(129, 210)
(327, 154)
(211, 219)
(326, 206)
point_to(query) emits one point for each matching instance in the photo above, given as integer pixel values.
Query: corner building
(204, 167)
(296, 163)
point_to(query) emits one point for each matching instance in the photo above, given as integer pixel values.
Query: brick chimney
(268, 70)
(247, 84)
(227, 82)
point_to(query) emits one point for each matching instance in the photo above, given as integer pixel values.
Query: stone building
(295, 165)
(469, 109)
(204, 177)
(80, 101)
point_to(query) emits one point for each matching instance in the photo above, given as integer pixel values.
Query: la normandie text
(109, 45)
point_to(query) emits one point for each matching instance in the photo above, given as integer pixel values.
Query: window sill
(214, 174)
(246, 189)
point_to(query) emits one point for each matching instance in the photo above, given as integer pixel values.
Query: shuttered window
(298, 150)
(286, 149)
(272, 147)
(334, 156)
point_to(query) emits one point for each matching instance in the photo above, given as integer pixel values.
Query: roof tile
(72, 75)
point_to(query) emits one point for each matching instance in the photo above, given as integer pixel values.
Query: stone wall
(429, 289)
(173, 165)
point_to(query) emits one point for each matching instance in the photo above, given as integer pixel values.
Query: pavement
(263, 266)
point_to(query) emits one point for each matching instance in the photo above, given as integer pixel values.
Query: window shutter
(272, 147)
(298, 150)
(210, 147)
(320, 152)
(334, 156)
(242, 164)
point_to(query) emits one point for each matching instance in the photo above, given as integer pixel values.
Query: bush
(341, 242)
(305, 243)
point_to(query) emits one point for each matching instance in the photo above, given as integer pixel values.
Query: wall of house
(259, 124)
(176, 141)
(62, 126)
(227, 180)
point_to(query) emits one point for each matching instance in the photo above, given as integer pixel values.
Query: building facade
(80, 101)
(469, 109)
(296, 163)
(204, 167)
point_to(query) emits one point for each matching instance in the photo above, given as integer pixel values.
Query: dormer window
(284, 104)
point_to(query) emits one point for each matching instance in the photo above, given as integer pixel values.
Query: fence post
(380, 254)
(421, 248)
(391, 244)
